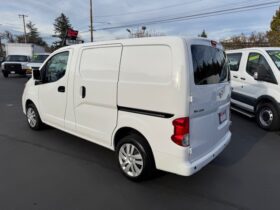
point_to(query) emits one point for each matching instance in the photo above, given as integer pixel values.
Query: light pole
(144, 30)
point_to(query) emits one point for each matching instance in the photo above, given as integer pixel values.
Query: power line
(171, 6)
(222, 6)
(198, 15)
(148, 11)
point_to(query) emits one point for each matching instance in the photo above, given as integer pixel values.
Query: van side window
(234, 61)
(56, 67)
(257, 61)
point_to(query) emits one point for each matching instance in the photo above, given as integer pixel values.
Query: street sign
(72, 34)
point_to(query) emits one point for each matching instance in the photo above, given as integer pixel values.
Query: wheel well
(262, 101)
(28, 102)
(122, 132)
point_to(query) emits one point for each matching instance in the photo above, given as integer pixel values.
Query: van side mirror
(261, 74)
(37, 76)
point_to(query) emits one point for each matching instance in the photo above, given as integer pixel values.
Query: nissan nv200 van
(159, 103)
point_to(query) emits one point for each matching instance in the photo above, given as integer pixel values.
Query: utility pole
(23, 18)
(1, 50)
(91, 22)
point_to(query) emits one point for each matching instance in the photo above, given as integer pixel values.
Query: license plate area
(222, 116)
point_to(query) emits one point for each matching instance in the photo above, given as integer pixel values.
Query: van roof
(138, 41)
(263, 49)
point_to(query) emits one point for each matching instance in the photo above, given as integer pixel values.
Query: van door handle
(235, 77)
(242, 78)
(83, 91)
(61, 89)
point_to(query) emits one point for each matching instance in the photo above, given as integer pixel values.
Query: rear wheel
(33, 117)
(267, 117)
(135, 158)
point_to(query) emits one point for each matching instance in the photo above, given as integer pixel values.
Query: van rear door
(210, 92)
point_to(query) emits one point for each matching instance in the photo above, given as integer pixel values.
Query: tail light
(181, 132)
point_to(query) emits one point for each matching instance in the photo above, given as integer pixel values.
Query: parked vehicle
(2, 59)
(158, 102)
(255, 79)
(15, 64)
(36, 62)
(23, 49)
(18, 55)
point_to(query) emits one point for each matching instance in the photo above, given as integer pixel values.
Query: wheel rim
(31, 117)
(266, 117)
(131, 160)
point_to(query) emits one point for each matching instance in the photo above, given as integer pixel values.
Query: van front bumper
(182, 166)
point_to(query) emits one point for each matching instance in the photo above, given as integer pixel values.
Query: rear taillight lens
(181, 132)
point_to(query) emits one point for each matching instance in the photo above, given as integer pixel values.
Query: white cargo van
(255, 79)
(158, 102)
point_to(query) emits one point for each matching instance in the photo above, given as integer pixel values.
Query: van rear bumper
(184, 167)
(192, 168)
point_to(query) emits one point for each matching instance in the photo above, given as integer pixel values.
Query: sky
(110, 13)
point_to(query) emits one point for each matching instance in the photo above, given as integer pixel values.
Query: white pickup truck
(18, 56)
(255, 80)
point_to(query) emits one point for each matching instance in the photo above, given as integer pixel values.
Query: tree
(203, 34)
(143, 32)
(32, 35)
(9, 37)
(255, 39)
(274, 33)
(61, 24)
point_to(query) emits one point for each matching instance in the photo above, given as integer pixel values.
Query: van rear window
(209, 64)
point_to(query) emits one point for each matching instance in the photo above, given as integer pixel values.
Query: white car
(160, 103)
(255, 79)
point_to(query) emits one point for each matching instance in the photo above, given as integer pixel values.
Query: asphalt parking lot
(50, 169)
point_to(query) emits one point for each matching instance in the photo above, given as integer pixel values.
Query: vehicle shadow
(245, 135)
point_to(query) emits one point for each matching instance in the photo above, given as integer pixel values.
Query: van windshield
(39, 58)
(275, 55)
(209, 64)
(17, 58)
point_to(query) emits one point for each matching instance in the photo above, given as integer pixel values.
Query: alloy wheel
(131, 160)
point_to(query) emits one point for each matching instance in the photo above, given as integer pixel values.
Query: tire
(267, 117)
(5, 74)
(33, 117)
(136, 163)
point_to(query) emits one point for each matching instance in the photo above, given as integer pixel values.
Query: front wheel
(33, 117)
(135, 158)
(268, 117)
(5, 74)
